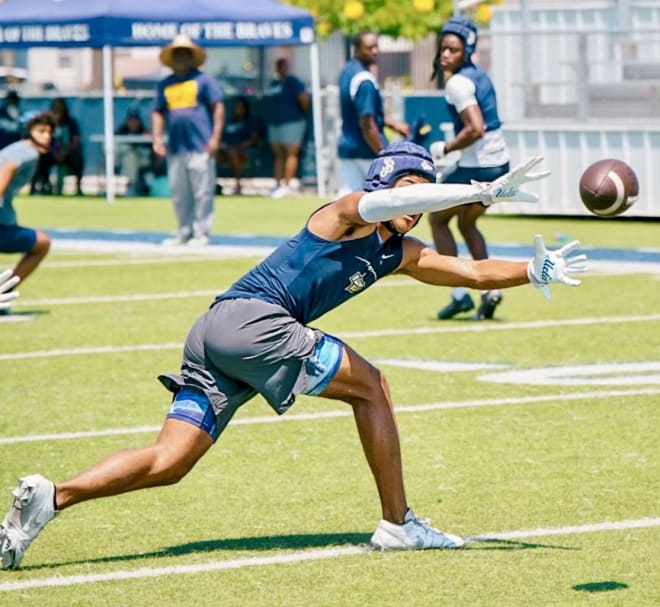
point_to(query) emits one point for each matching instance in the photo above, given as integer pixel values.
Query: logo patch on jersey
(387, 168)
(356, 283)
(182, 95)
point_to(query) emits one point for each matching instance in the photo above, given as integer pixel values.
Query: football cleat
(414, 534)
(456, 306)
(489, 301)
(32, 509)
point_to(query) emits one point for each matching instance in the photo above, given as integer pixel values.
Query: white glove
(6, 283)
(554, 266)
(506, 188)
(437, 149)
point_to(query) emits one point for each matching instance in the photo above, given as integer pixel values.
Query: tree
(397, 18)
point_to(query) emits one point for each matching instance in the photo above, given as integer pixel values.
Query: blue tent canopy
(110, 23)
(97, 23)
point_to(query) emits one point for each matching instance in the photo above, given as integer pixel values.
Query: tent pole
(317, 114)
(108, 125)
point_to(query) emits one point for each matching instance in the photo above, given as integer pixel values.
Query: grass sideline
(275, 491)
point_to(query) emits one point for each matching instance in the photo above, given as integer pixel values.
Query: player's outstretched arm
(426, 265)
(382, 205)
(7, 282)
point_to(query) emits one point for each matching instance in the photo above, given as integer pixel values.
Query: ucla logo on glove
(546, 272)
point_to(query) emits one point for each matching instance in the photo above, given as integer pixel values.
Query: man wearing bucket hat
(190, 105)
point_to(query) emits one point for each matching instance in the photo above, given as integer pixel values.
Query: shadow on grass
(23, 315)
(282, 542)
(497, 544)
(600, 586)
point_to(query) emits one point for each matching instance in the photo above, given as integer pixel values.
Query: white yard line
(125, 261)
(472, 328)
(307, 555)
(94, 299)
(274, 419)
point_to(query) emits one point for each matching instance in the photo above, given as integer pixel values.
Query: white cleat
(33, 507)
(414, 534)
(198, 241)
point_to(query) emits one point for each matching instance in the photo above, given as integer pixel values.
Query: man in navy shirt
(256, 339)
(191, 104)
(362, 114)
(286, 104)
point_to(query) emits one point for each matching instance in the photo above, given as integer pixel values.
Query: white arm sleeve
(381, 205)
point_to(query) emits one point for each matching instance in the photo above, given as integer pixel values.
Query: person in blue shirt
(190, 104)
(18, 163)
(10, 119)
(258, 338)
(286, 105)
(241, 132)
(363, 117)
(472, 104)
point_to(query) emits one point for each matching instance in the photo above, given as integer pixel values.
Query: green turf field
(563, 469)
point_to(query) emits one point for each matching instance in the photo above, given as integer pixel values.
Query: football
(608, 187)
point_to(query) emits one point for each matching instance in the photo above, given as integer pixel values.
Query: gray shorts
(287, 133)
(241, 347)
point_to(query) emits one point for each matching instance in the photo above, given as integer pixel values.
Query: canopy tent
(111, 23)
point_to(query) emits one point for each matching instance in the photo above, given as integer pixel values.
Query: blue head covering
(465, 30)
(396, 160)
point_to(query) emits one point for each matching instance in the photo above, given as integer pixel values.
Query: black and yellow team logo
(182, 95)
(356, 283)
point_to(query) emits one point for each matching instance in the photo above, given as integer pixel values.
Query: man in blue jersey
(191, 104)
(362, 115)
(256, 339)
(484, 156)
(18, 162)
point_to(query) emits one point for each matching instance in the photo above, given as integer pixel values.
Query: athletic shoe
(198, 241)
(456, 306)
(177, 241)
(489, 301)
(414, 534)
(281, 192)
(33, 507)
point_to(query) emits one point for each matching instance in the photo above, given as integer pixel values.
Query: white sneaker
(414, 534)
(33, 507)
(281, 192)
(177, 241)
(198, 241)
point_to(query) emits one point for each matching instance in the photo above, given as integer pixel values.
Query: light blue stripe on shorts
(193, 407)
(323, 365)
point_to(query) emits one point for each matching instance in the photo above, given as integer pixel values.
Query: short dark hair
(359, 37)
(44, 118)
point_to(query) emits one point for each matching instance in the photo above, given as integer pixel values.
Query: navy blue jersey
(309, 276)
(187, 104)
(486, 98)
(281, 100)
(358, 96)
